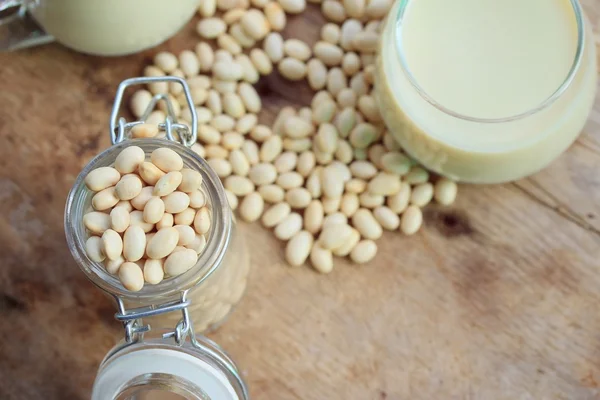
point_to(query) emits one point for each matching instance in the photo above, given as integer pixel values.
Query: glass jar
(161, 352)
(490, 146)
(101, 27)
(217, 281)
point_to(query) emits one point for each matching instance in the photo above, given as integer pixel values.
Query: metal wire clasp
(134, 327)
(119, 127)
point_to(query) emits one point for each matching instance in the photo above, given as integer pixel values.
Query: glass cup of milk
(486, 91)
(100, 27)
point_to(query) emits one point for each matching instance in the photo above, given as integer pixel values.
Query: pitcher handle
(17, 29)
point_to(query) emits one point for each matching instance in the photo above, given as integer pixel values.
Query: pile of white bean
(150, 218)
(333, 176)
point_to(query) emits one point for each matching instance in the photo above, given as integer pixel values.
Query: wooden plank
(494, 299)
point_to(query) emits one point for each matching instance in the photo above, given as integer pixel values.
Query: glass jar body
(500, 151)
(214, 285)
(112, 27)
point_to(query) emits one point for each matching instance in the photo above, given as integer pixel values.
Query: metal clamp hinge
(135, 328)
(120, 128)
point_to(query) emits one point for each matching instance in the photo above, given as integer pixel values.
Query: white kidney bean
(97, 222)
(197, 244)
(150, 173)
(417, 175)
(335, 219)
(197, 199)
(186, 234)
(363, 252)
(330, 33)
(251, 207)
(191, 180)
(356, 186)
(167, 184)
(370, 200)
(306, 163)
(262, 174)
(345, 121)
(313, 182)
(163, 243)
(154, 210)
(366, 224)
(168, 220)
(250, 98)
(112, 266)
(275, 214)
(320, 258)
(128, 187)
(131, 276)
(298, 198)
(270, 149)
(211, 28)
(445, 191)
(399, 201)
(326, 139)
(102, 178)
(334, 235)
(134, 243)
(176, 202)
(275, 15)
(289, 226)
(411, 221)
(255, 24)
(293, 6)
(221, 167)
(292, 69)
(139, 102)
(331, 204)
(232, 199)
(385, 184)
(421, 194)
(333, 10)
(387, 218)
(247, 122)
(316, 72)
(348, 245)
(250, 150)
(136, 218)
(105, 199)
(298, 248)
(332, 182)
(166, 159)
(324, 111)
(273, 47)
(94, 247)
(271, 193)
(139, 202)
(298, 128)
(202, 221)
(179, 262)
(290, 180)
(286, 162)
(112, 244)
(153, 271)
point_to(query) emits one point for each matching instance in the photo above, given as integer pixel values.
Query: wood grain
(494, 299)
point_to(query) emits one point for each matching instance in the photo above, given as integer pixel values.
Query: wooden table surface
(496, 298)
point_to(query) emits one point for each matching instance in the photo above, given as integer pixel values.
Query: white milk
(113, 27)
(485, 59)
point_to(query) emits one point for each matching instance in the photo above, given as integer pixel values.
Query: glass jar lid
(159, 369)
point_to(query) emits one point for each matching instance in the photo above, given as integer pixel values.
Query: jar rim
(208, 261)
(200, 347)
(575, 66)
